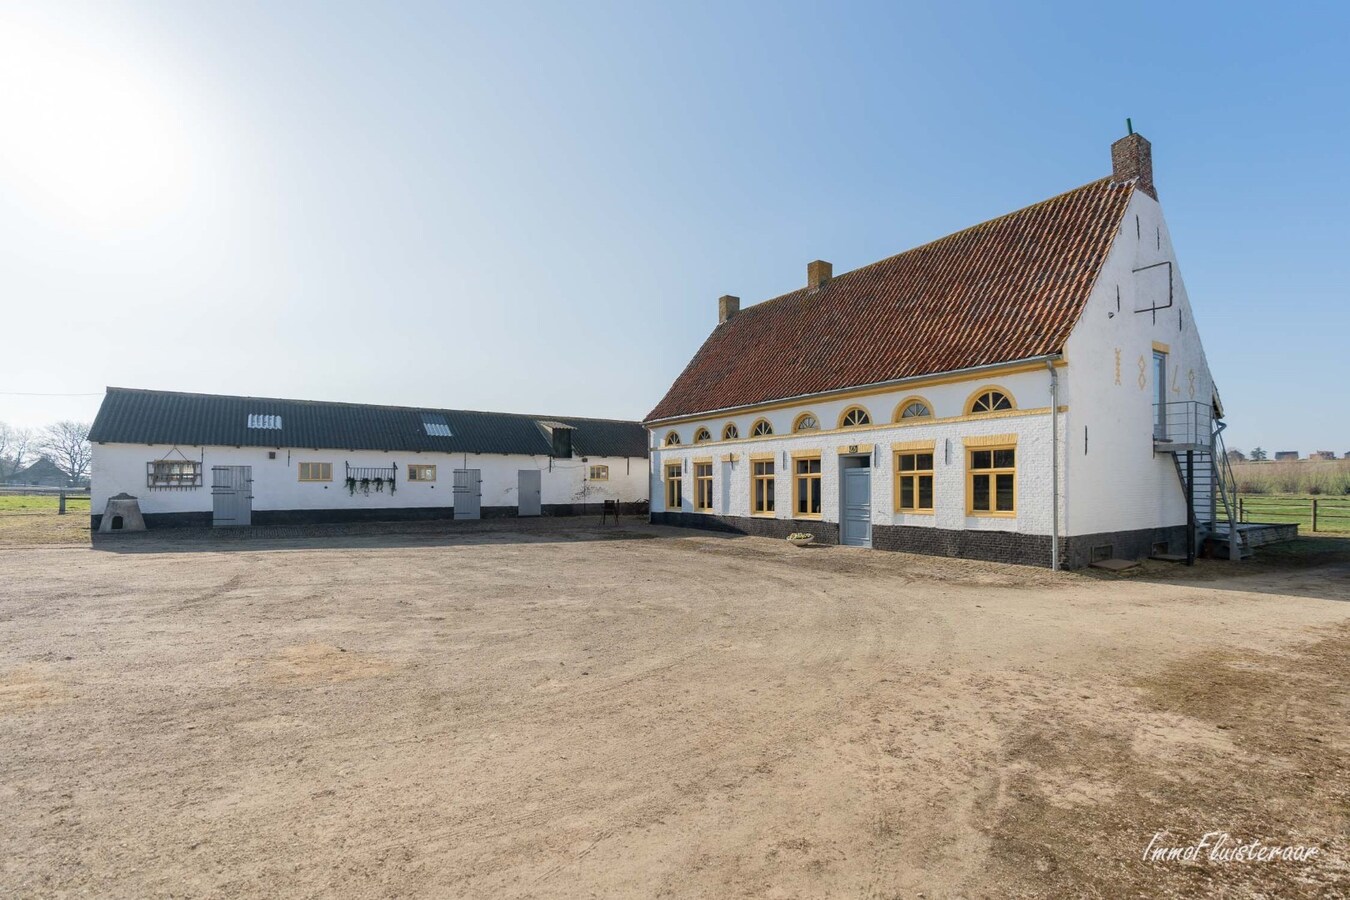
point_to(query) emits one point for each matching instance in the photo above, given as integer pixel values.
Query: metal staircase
(1189, 431)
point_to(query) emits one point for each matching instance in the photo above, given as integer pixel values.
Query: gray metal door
(530, 503)
(468, 494)
(855, 525)
(231, 496)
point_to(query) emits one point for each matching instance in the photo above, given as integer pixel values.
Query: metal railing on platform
(1183, 422)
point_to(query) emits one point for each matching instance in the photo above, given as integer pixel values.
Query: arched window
(761, 428)
(702, 436)
(731, 432)
(806, 422)
(673, 439)
(913, 408)
(987, 400)
(854, 417)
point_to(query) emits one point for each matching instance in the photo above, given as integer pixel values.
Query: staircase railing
(1225, 488)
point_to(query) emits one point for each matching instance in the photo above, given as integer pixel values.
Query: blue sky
(534, 207)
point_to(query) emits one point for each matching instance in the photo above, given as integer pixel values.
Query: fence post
(1242, 514)
(1314, 514)
(61, 507)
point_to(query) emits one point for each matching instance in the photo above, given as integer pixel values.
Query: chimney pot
(1132, 157)
(727, 306)
(818, 272)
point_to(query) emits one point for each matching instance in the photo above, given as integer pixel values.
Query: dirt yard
(556, 714)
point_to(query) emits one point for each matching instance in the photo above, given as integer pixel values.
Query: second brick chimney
(818, 272)
(1132, 157)
(727, 306)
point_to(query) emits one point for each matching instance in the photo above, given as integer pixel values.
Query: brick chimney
(818, 272)
(727, 306)
(1132, 157)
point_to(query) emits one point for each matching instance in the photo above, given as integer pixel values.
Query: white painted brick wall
(118, 468)
(1030, 390)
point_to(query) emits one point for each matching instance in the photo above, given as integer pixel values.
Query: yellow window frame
(913, 476)
(421, 472)
(599, 473)
(799, 423)
(804, 479)
(983, 394)
(703, 486)
(762, 472)
(855, 412)
(674, 486)
(907, 403)
(315, 471)
(991, 472)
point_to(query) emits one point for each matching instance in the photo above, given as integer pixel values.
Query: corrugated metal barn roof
(133, 416)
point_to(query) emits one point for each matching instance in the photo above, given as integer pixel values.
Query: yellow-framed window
(914, 481)
(991, 481)
(703, 487)
(674, 486)
(316, 471)
(806, 486)
(421, 473)
(599, 473)
(761, 487)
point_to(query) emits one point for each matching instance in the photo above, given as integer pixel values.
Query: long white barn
(1039, 375)
(204, 459)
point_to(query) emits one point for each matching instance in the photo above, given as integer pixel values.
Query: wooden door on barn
(231, 496)
(468, 494)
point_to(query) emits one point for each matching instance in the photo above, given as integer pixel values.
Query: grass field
(1302, 478)
(32, 519)
(1333, 513)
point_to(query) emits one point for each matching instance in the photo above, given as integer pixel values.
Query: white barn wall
(118, 468)
(1119, 484)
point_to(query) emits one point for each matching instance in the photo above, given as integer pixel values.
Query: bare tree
(15, 444)
(67, 444)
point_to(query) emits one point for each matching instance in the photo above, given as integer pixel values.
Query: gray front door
(468, 494)
(529, 503)
(231, 496)
(855, 525)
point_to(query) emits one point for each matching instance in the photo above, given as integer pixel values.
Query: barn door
(529, 493)
(468, 494)
(231, 496)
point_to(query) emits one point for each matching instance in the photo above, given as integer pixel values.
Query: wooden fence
(1325, 514)
(62, 494)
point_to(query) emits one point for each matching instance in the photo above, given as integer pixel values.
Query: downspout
(1054, 462)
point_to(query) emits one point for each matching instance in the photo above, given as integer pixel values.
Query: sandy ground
(671, 715)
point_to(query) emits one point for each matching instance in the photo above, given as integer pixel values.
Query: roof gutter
(1054, 460)
(1049, 359)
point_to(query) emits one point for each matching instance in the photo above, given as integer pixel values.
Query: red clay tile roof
(1011, 288)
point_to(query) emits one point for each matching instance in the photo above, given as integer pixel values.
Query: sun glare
(88, 138)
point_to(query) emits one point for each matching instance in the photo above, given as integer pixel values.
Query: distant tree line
(65, 444)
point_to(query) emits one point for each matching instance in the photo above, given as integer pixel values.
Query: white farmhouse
(1037, 375)
(204, 459)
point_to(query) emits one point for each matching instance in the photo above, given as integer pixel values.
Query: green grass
(38, 502)
(1321, 479)
(28, 520)
(1333, 513)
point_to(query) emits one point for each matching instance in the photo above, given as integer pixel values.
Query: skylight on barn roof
(436, 425)
(260, 420)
